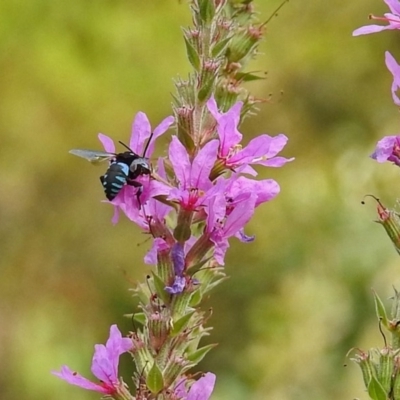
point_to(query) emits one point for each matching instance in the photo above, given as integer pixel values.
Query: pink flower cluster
(224, 203)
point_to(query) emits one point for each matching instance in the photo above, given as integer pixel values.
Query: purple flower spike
(393, 18)
(104, 365)
(388, 149)
(394, 68)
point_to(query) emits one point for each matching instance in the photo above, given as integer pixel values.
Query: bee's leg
(139, 187)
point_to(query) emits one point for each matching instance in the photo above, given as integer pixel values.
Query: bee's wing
(92, 156)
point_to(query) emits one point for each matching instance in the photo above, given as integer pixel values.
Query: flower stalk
(191, 204)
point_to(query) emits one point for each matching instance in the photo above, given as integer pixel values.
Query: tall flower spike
(104, 365)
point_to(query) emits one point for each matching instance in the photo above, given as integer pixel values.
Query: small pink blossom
(104, 365)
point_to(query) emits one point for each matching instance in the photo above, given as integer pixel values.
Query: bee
(123, 170)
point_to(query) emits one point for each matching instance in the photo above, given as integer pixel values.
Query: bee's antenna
(123, 144)
(147, 145)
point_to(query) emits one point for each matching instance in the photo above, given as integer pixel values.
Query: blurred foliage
(299, 297)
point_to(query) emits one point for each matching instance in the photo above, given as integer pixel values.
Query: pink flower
(260, 150)
(388, 149)
(393, 18)
(104, 365)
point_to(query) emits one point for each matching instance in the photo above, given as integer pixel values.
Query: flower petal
(203, 388)
(180, 161)
(107, 143)
(141, 131)
(76, 379)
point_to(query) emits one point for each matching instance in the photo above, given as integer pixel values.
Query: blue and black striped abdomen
(114, 179)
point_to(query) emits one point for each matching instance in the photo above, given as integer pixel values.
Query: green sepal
(155, 380)
(247, 77)
(192, 55)
(194, 268)
(180, 324)
(376, 390)
(207, 10)
(139, 317)
(220, 47)
(196, 298)
(199, 354)
(205, 92)
(212, 285)
(380, 310)
(159, 286)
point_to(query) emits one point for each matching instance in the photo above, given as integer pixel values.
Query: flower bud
(159, 327)
(390, 220)
(244, 44)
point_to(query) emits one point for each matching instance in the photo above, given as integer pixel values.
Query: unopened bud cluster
(224, 38)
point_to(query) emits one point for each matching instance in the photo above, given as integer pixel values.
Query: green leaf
(199, 354)
(139, 317)
(207, 10)
(247, 77)
(220, 47)
(194, 268)
(196, 298)
(192, 55)
(375, 390)
(155, 380)
(159, 286)
(380, 310)
(181, 323)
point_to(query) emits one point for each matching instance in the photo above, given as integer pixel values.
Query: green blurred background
(299, 297)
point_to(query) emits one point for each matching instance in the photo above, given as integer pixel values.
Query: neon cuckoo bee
(123, 170)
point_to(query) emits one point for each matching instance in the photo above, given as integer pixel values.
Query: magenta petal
(239, 217)
(221, 248)
(394, 6)
(115, 217)
(116, 344)
(180, 161)
(107, 143)
(384, 149)
(216, 210)
(365, 30)
(277, 144)
(158, 131)
(75, 379)
(213, 107)
(394, 68)
(227, 124)
(276, 162)
(202, 389)
(202, 165)
(106, 358)
(141, 131)
(158, 245)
